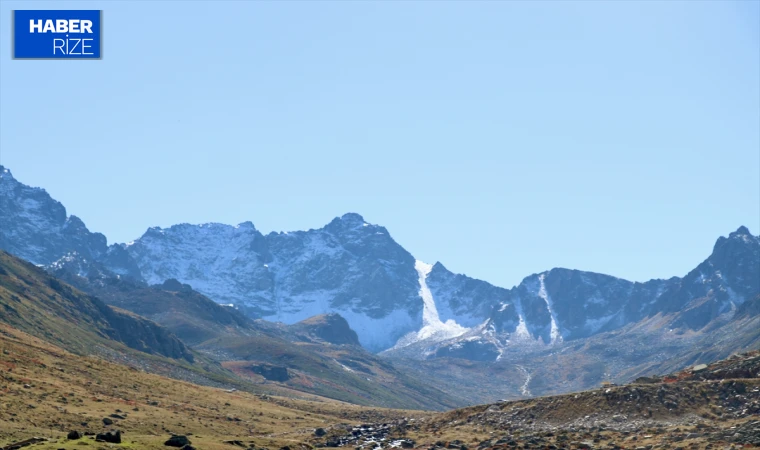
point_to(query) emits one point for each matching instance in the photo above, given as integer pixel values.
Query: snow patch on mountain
(432, 326)
(522, 329)
(554, 334)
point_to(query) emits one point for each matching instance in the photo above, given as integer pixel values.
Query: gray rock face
(563, 305)
(35, 227)
(349, 266)
(725, 280)
(356, 269)
(461, 298)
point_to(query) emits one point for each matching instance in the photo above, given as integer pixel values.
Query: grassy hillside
(47, 392)
(319, 356)
(190, 315)
(40, 305)
(343, 372)
(33, 301)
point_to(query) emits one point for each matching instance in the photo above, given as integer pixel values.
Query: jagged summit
(248, 225)
(740, 237)
(37, 228)
(741, 231)
(347, 221)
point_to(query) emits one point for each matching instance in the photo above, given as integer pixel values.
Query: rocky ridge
(354, 268)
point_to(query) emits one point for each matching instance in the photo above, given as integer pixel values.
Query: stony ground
(717, 407)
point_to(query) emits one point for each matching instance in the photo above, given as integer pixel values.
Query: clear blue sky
(500, 138)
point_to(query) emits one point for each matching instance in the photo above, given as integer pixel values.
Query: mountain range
(400, 307)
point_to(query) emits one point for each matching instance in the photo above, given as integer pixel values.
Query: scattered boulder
(270, 372)
(107, 421)
(113, 437)
(319, 432)
(177, 441)
(74, 435)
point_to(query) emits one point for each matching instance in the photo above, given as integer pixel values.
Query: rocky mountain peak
(352, 218)
(346, 222)
(247, 225)
(741, 236)
(36, 227)
(741, 231)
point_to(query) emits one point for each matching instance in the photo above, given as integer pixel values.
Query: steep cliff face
(36, 228)
(348, 267)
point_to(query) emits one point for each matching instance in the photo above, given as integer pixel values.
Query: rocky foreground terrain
(705, 407)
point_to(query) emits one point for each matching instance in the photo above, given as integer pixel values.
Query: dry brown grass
(46, 391)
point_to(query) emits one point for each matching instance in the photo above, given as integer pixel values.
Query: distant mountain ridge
(564, 305)
(355, 269)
